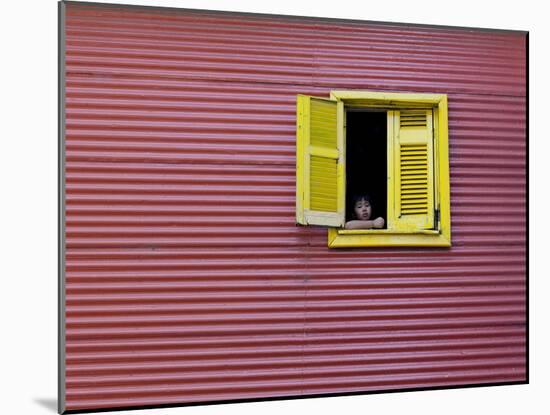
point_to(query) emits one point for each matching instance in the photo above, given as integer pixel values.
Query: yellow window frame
(440, 237)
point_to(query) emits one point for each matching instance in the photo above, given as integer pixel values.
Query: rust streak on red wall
(186, 278)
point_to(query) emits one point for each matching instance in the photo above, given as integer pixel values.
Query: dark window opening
(366, 160)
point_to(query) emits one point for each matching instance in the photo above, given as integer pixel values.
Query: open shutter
(320, 183)
(413, 170)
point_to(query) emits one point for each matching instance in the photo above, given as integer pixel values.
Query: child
(362, 212)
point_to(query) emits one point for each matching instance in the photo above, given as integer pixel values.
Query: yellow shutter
(320, 169)
(411, 193)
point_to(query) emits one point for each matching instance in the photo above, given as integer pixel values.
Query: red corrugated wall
(186, 279)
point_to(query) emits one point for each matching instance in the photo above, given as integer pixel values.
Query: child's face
(363, 209)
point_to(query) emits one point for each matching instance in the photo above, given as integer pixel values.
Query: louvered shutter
(320, 184)
(413, 185)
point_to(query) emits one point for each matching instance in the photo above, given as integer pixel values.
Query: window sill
(353, 238)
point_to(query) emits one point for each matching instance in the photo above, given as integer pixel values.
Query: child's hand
(378, 223)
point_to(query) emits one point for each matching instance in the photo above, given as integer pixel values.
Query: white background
(28, 206)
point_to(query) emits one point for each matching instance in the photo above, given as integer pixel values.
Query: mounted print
(258, 206)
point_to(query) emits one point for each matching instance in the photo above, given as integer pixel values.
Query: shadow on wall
(48, 403)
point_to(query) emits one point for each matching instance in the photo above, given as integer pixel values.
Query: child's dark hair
(361, 196)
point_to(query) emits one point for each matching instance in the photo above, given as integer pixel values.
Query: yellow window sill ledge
(354, 238)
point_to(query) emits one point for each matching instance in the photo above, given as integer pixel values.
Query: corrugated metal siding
(186, 278)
